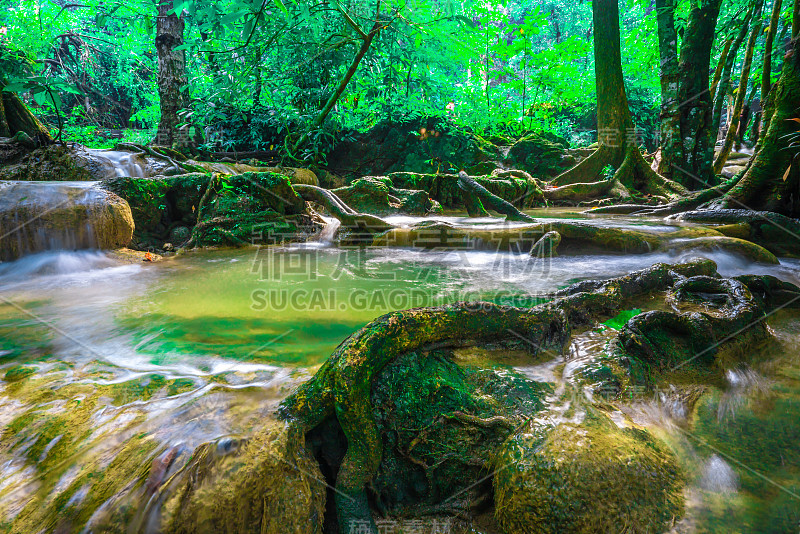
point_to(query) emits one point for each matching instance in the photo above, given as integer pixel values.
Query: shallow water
(203, 345)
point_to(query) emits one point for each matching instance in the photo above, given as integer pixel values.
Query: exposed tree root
(671, 340)
(348, 217)
(633, 172)
(343, 385)
(689, 202)
(471, 188)
(585, 191)
(588, 170)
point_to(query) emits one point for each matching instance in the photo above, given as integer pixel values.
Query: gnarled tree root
(633, 172)
(342, 386)
(669, 341)
(472, 188)
(586, 191)
(347, 216)
(575, 237)
(689, 202)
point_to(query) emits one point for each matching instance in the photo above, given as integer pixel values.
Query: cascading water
(118, 163)
(39, 216)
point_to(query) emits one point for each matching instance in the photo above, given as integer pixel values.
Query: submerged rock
(266, 484)
(38, 216)
(586, 477)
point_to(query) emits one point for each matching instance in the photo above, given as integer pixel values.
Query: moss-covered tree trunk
(724, 85)
(723, 58)
(16, 119)
(738, 105)
(763, 185)
(616, 135)
(766, 72)
(671, 147)
(171, 73)
(697, 137)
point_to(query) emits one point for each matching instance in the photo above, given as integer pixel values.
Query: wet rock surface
(47, 216)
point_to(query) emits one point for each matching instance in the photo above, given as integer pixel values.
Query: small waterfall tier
(39, 216)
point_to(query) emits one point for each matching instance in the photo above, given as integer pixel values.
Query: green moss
(92, 487)
(144, 388)
(621, 318)
(18, 372)
(240, 209)
(440, 425)
(537, 154)
(587, 477)
(267, 484)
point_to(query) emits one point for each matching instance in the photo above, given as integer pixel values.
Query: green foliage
(261, 71)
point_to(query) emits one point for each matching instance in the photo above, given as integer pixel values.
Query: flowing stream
(204, 345)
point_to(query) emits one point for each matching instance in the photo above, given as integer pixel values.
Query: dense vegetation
(257, 70)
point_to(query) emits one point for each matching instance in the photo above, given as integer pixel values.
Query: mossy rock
(252, 208)
(369, 195)
(53, 163)
(239, 209)
(161, 199)
(254, 192)
(444, 188)
(587, 477)
(537, 154)
(440, 426)
(266, 484)
(17, 373)
(377, 195)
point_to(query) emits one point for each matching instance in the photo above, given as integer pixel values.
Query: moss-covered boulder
(161, 203)
(440, 424)
(233, 210)
(538, 154)
(251, 208)
(586, 477)
(377, 195)
(519, 189)
(266, 484)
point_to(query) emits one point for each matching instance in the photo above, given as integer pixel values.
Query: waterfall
(328, 233)
(41, 216)
(118, 163)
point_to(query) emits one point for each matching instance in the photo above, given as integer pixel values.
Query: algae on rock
(586, 477)
(266, 484)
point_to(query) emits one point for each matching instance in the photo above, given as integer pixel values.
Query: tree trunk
(696, 133)
(722, 157)
(616, 135)
(171, 74)
(744, 122)
(766, 74)
(16, 119)
(671, 145)
(762, 186)
(725, 83)
(366, 42)
(723, 58)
